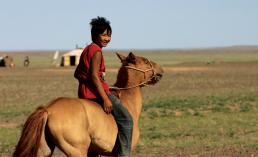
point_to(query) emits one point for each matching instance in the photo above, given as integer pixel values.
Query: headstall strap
(141, 70)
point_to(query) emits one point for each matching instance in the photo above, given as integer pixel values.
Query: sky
(136, 24)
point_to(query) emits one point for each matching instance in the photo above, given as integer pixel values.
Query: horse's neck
(132, 99)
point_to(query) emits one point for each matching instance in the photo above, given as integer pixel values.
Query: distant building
(6, 61)
(71, 58)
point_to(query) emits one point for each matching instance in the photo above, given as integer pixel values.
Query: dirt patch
(8, 125)
(187, 69)
(175, 69)
(61, 71)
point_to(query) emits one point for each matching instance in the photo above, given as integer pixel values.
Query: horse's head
(139, 70)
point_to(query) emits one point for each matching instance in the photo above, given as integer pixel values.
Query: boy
(90, 73)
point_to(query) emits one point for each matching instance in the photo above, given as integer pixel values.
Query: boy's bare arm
(94, 69)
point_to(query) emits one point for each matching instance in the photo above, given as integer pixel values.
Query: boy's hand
(107, 106)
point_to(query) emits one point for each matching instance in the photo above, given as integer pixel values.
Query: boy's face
(104, 39)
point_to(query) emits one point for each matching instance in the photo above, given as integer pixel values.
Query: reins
(144, 83)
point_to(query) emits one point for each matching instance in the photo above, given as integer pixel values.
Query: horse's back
(67, 121)
(81, 120)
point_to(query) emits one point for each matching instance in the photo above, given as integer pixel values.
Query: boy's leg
(125, 127)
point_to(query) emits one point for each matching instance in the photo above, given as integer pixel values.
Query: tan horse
(79, 127)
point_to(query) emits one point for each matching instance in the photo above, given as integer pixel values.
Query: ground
(206, 105)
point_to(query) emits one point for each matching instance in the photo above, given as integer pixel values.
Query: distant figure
(26, 61)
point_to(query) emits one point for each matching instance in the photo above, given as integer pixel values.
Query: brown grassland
(206, 104)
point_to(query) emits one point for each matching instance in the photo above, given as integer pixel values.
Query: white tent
(71, 58)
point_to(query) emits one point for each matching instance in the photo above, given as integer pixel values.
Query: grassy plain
(206, 104)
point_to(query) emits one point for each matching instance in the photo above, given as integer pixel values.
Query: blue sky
(137, 24)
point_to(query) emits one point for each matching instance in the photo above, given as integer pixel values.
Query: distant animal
(80, 127)
(6, 61)
(26, 61)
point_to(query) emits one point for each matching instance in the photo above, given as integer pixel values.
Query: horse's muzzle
(156, 78)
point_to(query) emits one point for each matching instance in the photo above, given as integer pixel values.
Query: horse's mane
(122, 77)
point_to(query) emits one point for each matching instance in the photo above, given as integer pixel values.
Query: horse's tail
(29, 142)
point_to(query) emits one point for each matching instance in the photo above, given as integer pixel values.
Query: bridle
(144, 83)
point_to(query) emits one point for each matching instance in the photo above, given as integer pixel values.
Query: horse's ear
(121, 57)
(131, 58)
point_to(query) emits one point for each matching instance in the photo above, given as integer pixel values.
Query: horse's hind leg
(45, 151)
(47, 146)
(72, 147)
(93, 155)
(73, 150)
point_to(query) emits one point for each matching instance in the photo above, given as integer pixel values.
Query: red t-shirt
(87, 88)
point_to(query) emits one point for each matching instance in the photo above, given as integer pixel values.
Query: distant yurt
(6, 61)
(71, 58)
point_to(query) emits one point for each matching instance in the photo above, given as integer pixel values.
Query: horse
(80, 127)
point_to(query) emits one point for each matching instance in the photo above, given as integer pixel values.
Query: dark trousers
(125, 126)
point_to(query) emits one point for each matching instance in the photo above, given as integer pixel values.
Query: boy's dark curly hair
(98, 26)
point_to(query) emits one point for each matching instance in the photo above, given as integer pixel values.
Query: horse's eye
(146, 61)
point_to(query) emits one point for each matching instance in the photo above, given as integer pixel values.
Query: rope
(144, 83)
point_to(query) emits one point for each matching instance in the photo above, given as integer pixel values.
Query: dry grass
(199, 108)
